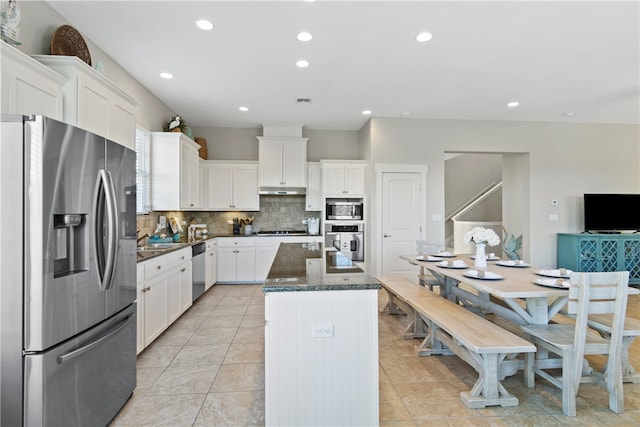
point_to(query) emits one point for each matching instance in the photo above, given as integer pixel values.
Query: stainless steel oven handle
(79, 351)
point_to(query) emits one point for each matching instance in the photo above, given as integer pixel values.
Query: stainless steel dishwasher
(197, 264)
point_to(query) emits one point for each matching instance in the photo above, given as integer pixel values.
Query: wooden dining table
(514, 296)
(519, 299)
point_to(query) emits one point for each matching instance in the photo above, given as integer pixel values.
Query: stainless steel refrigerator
(68, 274)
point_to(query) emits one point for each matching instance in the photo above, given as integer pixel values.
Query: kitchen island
(321, 339)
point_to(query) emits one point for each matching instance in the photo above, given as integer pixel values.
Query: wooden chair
(590, 293)
(424, 247)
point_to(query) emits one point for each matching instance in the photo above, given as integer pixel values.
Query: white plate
(487, 275)
(552, 283)
(512, 263)
(565, 274)
(450, 265)
(429, 258)
(494, 258)
(444, 254)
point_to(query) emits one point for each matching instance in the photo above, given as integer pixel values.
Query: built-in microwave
(344, 209)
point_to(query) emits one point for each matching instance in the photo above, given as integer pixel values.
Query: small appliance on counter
(313, 225)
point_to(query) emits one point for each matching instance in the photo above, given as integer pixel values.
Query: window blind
(143, 171)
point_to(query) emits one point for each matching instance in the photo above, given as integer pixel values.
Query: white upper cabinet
(282, 161)
(343, 178)
(29, 87)
(174, 172)
(313, 198)
(93, 102)
(232, 186)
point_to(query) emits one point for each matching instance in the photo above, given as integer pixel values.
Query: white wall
(565, 161)
(39, 22)
(241, 143)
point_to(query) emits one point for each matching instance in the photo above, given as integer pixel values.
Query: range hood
(283, 191)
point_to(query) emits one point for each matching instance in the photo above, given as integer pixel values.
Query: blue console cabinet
(600, 252)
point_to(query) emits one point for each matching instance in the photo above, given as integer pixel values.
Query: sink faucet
(144, 236)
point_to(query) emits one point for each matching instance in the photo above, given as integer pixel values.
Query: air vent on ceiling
(303, 100)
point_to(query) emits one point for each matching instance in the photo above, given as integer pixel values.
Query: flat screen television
(611, 212)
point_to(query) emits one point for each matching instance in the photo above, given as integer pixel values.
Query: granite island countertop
(308, 267)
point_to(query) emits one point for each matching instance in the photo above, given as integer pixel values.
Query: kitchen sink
(159, 246)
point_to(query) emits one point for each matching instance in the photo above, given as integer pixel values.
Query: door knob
(387, 235)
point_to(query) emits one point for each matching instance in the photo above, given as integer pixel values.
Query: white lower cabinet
(264, 258)
(236, 259)
(211, 264)
(163, 293)
(249, 259)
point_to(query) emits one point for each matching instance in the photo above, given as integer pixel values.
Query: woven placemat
(67, 41)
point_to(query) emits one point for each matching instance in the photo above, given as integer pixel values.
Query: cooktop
(282, 233)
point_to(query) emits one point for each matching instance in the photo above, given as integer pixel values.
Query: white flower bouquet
(482, 235)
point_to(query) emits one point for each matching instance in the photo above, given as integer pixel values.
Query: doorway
(401, 210)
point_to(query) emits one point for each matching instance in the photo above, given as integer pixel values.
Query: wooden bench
(448, 329)
(482, 344)
(400, 290)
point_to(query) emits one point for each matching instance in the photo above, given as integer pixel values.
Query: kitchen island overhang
(321, 339)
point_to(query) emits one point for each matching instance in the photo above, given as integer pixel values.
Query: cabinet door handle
(387, 235)
(183, 270)
(158, 267)
(182, 257)
(148, 288)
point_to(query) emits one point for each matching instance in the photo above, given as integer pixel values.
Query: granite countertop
(147, 255)
(307, 267)
(151, 253)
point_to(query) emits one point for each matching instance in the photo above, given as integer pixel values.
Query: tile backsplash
(276, 213)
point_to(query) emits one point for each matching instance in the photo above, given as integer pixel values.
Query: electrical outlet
(230, 221)
(322, 331)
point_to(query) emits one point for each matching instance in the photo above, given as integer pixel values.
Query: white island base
(330, 379)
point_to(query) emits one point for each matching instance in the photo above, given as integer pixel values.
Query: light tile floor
(207, 369)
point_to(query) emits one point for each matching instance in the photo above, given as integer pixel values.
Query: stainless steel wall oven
(347, 238)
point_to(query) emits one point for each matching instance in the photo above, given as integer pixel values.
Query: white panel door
(401, 221)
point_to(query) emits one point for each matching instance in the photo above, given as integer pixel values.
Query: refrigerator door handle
(105, 201)
(113, 232)
(79, 351)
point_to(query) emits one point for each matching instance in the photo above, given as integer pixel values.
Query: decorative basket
(203, 151)
(67, 41)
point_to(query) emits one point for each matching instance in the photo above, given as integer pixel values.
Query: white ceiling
(579, 57)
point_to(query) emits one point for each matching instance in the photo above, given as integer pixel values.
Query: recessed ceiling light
(243, 108)
(166, 75)
(366, 112)
(302, 63)
(424, 37)
(513, 104)
(304, 36)
(203, 24)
